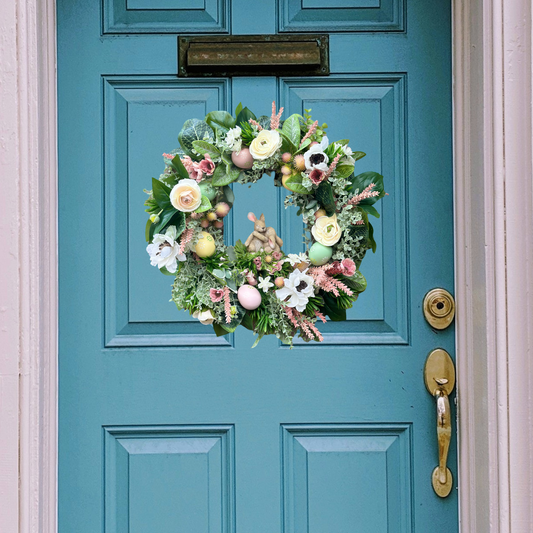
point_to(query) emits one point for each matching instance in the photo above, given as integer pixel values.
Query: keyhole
(440, 305)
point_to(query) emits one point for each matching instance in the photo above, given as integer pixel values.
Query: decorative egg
(242, 159)
(249, 297)
(208, 190)
(320, 254)
(206, 245)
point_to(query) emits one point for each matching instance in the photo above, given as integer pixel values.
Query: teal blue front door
(166, 428)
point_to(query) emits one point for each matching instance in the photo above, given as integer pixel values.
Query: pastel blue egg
(320, 254)
(208, 190)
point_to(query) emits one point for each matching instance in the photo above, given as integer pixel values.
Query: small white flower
(295, 259)
(264, 283)
(348, 159)
(233, 139)
(205, 317)
(315, 156)
(164, 250)
(298, 289)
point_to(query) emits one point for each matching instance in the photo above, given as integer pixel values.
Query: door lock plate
(439, 308)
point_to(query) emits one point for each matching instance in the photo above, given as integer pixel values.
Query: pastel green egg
(208, 190)
(320, 254)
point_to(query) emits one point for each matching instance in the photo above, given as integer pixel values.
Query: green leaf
(362, 181)
(230, 251)
(194, 130)
(220, 274)
(357, 282)
(204, 206)
(229, 196)
(294, 183)
(336, 313)
(370, 209)
(324, 195)
(164, 219)
(244, 116)
(177, 165)
(358, 155)
(166, 272)
(286, 144)
(220, 120)
(161, 194)
(372, 243)
(236, 319)
(344, 170)
(221, 177)
(149, 231)
(259, 337)
(238, 109)
(219, 330)
(343, 142)
(304, 146)
(291, 129)
(203, 147)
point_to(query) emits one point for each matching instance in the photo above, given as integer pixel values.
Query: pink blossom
(258, 262)
(216, 295)
(276, 267)
(187, 163)
(316, 176)
(277, 255)
(195, 172)
(299, 320)
(207, 166)
(349, 267)
(256, 124)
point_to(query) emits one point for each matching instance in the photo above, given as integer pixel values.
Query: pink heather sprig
(367, 193)
(227, 305)
(300, 321)
(318, 314)
(274, 119)
(255, 123)
(332, 167)
(325, 281)
(310, 131)
(186, 237)
(168, 156)
(216, 295)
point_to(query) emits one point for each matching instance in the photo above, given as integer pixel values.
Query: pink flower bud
(204, 223)
(286, 170)
(286, 157)
(299, 163)
(218, 224)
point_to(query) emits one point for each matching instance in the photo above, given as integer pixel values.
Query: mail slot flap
(253, 55)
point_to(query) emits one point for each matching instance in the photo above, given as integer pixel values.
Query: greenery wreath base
(255, 284)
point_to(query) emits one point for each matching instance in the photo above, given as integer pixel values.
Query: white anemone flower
(315, 158)
(298, 289)
(165, 251)
(264, 283)
(205, 317)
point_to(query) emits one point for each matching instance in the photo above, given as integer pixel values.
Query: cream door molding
(494, 264)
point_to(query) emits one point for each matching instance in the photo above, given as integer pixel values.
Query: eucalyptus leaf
(204, 206)
(194, 130)
(203, 147)
(294, 183)
(291, 129)
(220, 120)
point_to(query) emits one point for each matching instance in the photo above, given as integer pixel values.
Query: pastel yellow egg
(205, 247)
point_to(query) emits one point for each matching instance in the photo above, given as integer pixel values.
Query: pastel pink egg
(249, 297)
(242, 159)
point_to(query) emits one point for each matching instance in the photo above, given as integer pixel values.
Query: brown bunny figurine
(263, 237)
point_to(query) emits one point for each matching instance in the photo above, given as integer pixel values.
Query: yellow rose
(265, 144)
(186, 196)
(326, 230)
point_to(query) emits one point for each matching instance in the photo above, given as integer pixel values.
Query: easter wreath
(255, 284)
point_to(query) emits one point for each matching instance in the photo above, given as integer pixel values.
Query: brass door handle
(439, 376)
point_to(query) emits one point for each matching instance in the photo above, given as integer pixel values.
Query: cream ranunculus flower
(205, 317)
(326, 230)
(265, 144)
(186, 196)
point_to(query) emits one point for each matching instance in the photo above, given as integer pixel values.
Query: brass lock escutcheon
(439, 376)
(439, 308)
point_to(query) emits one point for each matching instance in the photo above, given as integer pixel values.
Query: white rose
(205, 317)
(326, 230)
(186, 196)
(265, 144)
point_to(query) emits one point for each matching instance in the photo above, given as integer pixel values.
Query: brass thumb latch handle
(439, 376)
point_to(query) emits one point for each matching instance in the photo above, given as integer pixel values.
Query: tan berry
(279, 282)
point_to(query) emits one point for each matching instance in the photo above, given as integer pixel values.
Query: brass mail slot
(253, 55)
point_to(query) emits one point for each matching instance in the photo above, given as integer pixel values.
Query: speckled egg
(320, 254)
(208, 190)
(205, 247)
(249, 297)
(242, 159)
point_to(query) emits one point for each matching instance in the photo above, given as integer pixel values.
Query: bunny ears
(253, 218)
